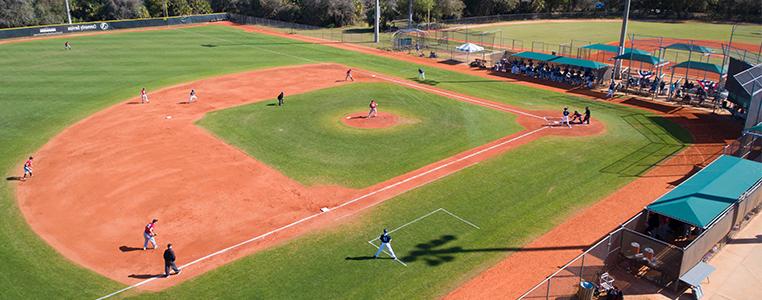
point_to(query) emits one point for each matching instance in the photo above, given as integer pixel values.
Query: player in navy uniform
(586, 120)
(280, 99)
(386, 240)
(565, 118)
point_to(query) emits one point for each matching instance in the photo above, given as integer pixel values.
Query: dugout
(678, 231)
(407, 39)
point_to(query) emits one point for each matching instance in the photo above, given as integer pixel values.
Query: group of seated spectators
(689, 92)
(547, 71)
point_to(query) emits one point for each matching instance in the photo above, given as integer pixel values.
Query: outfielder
(386, 240)
(192, 97)
(144, 96)
(149, 234)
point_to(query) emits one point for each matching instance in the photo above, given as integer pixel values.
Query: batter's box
(429, 243)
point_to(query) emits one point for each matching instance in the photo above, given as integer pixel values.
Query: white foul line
(416, 220)
(468, 99)
(336, 207)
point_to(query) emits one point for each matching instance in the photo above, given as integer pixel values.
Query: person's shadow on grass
(365, 258)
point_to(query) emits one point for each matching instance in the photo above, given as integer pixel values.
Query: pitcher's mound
(361, 120)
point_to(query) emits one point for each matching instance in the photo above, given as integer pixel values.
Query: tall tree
(14, 13)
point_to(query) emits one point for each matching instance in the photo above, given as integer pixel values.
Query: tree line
(334, 13)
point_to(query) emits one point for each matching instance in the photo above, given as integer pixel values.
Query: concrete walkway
(739, 266)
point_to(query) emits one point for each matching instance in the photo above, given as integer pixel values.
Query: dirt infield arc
(102, 179)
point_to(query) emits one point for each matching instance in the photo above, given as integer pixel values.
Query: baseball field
(463, 172)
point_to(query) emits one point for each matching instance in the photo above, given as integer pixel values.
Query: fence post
(547, 292)
(582, 268)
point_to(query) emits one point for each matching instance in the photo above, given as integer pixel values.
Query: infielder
(192, 97)
(149, 234)
(349, 76)
(144, 96)
(565, 117)
(28, 168)
(421, 74)
(373, 111)
(386, 240)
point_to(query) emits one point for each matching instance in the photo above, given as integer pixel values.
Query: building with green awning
(705, 196)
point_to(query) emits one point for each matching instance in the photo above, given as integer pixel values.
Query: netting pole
(547, 292)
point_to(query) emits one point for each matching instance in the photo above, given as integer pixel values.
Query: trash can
(586, 290)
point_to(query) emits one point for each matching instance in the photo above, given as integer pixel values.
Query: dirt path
(520, 271)
(106, 176)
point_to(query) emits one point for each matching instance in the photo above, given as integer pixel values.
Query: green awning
(535, 56)
(640, 57)
(706, 195)
(690, 47)
(613, 49)
(579, 63)
(700, 66)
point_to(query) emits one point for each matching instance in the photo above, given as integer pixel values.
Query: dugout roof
(614, 49)
(706, 195)
(579, 62)
(696, 65)
(535, 56)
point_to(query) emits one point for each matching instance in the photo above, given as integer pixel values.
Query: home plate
(324, 209)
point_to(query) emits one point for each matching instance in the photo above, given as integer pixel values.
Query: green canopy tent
(691, 48)
(755, 130)
(697, 65)
(705, 196)
(644, 58)
(614, 49)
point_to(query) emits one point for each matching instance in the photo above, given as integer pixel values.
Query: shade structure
(470, 48)
(584, 63)
(696, 65)
(641, 58)
(614, 49)
(535, 56)
(690, 47)
(754, 130)
(706, 195)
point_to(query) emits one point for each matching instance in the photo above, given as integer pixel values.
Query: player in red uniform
(373, 111)
(349, 76)
(28, 168)
(144, 96)
(149, 234)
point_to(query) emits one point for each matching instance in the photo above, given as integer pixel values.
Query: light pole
(378, 21)
(409, 14)
(68, 12)
(622, 35)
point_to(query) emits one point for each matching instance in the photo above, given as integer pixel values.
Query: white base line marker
(387, 253)
(372, 242)
(222, 251)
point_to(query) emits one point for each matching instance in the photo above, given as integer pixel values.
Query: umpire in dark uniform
(169, 261)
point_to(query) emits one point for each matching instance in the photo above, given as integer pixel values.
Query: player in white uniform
(386, 241)
(144, 96)
(565, 117)
(193, 97)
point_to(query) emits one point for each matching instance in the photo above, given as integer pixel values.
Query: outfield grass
(307, 141)
(597, 32)
(46, 89)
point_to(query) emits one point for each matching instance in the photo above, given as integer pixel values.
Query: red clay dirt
(520, 271)
(361, 120)
(100, 180)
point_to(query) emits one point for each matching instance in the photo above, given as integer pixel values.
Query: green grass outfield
(307, 141)
(513, 197)
(605, 32)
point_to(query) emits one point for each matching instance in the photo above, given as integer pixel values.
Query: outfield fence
(51, 30)
(342, 35)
